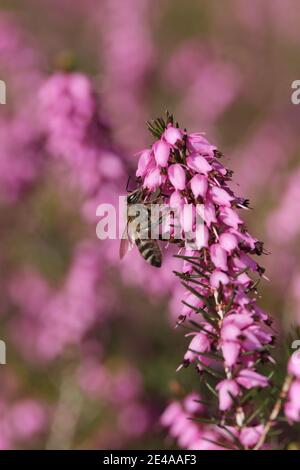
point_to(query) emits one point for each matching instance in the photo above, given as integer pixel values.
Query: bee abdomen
(150, 251)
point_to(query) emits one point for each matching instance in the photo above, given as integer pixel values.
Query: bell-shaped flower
(199, 185)
(176, 200)
(146, 163)
(228, 241)
(161, 153)
(220, 196)
(188, 217)
(199, 344)
(228, 389)
(294, 364)
(230, 218)
(292, 407)
(153, 179)
(191, 302)
(249, 436)
(218, 278)
(209, 213)
(172, 135)
(202, 236)
(197, 143)
(171, 414)
(249, 378)
(218, 256)
(230, 351)
(198, 163)
(177, 176)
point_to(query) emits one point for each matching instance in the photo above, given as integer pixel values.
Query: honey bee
(140, 234)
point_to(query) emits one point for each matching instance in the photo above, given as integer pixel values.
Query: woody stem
(275, 411)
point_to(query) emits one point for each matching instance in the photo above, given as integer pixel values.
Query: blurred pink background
(90, 341)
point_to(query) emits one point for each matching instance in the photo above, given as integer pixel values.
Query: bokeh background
(91, 345)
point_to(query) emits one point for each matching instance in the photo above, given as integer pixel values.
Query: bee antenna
(127, 185)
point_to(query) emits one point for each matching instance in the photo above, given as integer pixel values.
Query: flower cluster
(189, 425)
(231, 335)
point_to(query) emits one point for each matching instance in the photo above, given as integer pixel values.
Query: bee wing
(126, 243)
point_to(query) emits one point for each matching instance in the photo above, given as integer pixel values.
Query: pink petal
(176, 175)
(199, 164)
(227, 389)
(161, 153)
(172, 135)
(199, 185)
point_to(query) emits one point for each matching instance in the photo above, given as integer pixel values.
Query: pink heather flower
(230, 218)
(292, 411)
(171, 413)
(177, 417)
(228, 241)
(189, 434)
(192, 302)
(244, 261)
(217, 278)
(176, 176)
(249, 436)
(209, 215)
(227, 389)
(243, 280)
(180, 425)
(234, 324)
(191, 404)
(231, 351)
(176, 200)
(199, 185)
(217, 265)
(202, 236)
(292, 406)
(187, 217)
(294, 365)
(172, 135)
(199, 344)
(153, 179)
(161, 153)
(146, 162)
(199, 164)
(220, 196)
(218, 256)
(249, 378)
(198, 143)
(294, 392)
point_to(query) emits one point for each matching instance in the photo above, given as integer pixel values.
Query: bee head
(134, 197)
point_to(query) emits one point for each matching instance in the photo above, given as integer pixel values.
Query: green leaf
(227, 446)
(211, 371)
(196, 309)
(211, 389)
(236, 441)
(256, 412)
(207, 354)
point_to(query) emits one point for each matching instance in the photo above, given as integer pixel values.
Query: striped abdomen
(150, 251)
